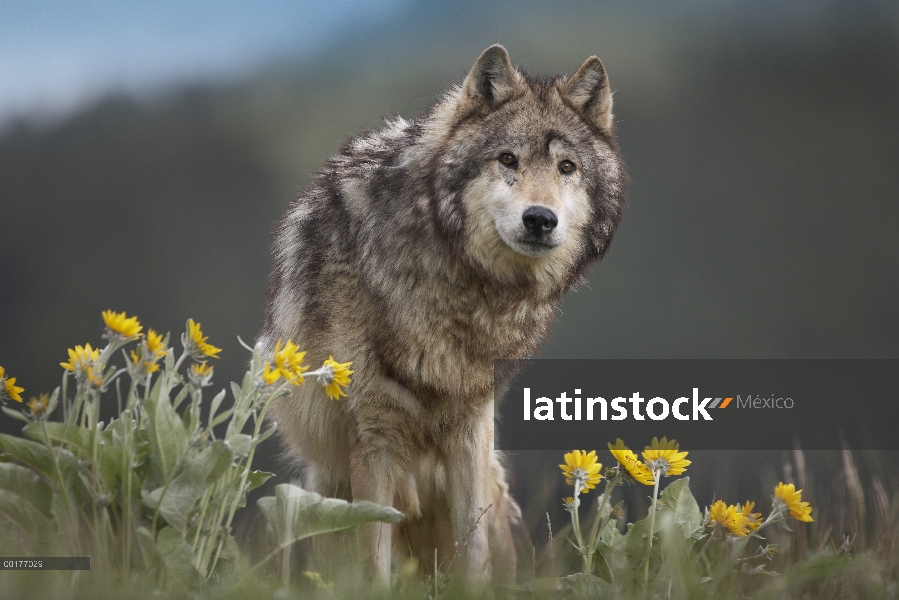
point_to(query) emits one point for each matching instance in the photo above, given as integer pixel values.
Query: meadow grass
(151, 496)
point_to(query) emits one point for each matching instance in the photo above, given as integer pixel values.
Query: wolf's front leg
(467, 454)
(379, 460)
(373, 479)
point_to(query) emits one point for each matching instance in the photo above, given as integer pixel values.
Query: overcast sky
(57, 55)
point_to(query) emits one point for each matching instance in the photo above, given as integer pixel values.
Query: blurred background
(147, 149)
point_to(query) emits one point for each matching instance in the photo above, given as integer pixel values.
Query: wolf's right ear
(491, 81)
(588, 92)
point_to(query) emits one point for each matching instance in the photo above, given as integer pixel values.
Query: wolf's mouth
(535, 246)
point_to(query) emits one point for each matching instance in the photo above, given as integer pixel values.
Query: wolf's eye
(508, 159)
(566, 167)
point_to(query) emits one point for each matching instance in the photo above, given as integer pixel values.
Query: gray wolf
(421, 252)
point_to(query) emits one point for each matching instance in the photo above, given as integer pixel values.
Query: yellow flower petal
(197, 346)
(8, 387)
(339, 378)
(579, 465)
(729, 518)
(121, 324)
(665, 457)
(627, 459)
(792, 499)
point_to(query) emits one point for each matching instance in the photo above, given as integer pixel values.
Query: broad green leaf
(24, 482)
(295, 514)
(177, 501)
(26, 515)
(67, 515)
(148, 549)
(39, 457)
(79, 438)
(111, 459)
(240, 444)
(167, 436)
(228, 556)
(634, 542)
(177, 557)
(678, 499)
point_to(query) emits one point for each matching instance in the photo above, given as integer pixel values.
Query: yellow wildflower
(195, 343)
(335, 376)
(118, 323)
(83, 362)
(581, 470)
(755, 519)
(151, 349)
(155, 344)
(8, 387)
(627, 459)
(81, 359)
(729, 518)
(663, 456)
(269, 375)
(38, 405)
(289, 362)
(200, 374)
(570, 503)
(786, 497)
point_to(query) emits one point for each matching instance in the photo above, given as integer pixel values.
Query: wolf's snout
(539, 220)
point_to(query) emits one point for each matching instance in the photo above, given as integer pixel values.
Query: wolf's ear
(491, 81)
(589, 93)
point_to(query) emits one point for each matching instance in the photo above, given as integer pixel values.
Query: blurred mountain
(760, 138)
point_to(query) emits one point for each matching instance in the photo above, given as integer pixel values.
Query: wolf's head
(529, 174)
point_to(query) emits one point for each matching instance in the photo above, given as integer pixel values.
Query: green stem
(576, 524)
(596, 532)
(652, 521)
(259, 420)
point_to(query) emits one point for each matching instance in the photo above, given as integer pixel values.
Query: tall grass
(151, 496)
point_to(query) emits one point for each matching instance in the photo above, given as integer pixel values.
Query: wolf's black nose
(539, 220)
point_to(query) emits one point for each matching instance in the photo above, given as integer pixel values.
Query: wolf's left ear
(491, 81)
(589, 93)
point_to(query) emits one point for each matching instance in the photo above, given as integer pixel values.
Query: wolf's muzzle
(539, 220)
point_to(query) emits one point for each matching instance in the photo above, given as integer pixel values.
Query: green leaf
(257, 478)
(236, 391)
(40, 457)
(24, 514)
(110, 459)
(167, 436)
(214, 407)
(177, 557)
(149, 551)
(15, 414)
(240, 444)
(266, 434)
(634, 542)
(177, 501)
(678, 499)
(179, 398)
(24, 482)
(78, 437)
(221, 418)
(294, 514)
